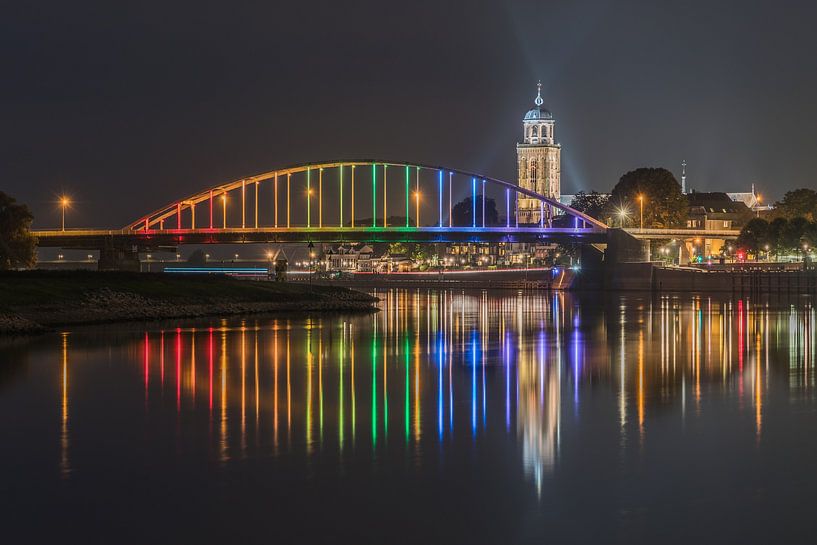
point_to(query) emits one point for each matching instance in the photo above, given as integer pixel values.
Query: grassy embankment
(40, 299)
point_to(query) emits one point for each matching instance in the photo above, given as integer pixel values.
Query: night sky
(129, 105)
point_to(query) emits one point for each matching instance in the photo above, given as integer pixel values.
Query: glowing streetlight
(641, 205)
(622, 216)
(417, 208)
(65, 202)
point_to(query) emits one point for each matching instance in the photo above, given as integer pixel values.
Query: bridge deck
(98, 238)
(682, 233)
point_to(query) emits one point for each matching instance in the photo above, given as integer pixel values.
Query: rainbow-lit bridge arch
(360, 200)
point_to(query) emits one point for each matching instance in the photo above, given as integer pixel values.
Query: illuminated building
(539, 160)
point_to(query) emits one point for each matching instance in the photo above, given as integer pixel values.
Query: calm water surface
(447, 417)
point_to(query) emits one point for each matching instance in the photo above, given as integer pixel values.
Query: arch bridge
(344, 201)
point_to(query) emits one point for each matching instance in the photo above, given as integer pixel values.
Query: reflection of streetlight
(311, 248)
(65, 202)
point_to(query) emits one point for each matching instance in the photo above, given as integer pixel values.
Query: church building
(539, 159)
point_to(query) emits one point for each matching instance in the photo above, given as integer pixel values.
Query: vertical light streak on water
(406, 399)
(162, 361)
(341, 355)
(65, 465)
(374, 386)
(223, 438)
(243, 391)
(474, 384)
(507, 354)
(275, 386)
(352, 382)
(147, 367)
(576, 365)
(309, 359)
(484, 339)
(622, 372)
(255, 378)
(417, 415)
(385, 388)
(289, 384)
(210, 372)
(193, 366)
(440, 385)
(178, 369)
(320, 383)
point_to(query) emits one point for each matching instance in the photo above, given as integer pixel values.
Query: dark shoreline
(39, 301)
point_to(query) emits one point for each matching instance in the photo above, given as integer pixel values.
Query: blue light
(440, 194)
(473, 202)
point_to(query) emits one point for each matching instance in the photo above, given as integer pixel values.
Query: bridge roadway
(686, 234)
(152, 239)
(145, 240)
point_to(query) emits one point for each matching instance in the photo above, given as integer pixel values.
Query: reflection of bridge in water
(436, 369)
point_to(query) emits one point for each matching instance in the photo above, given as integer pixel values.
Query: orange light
(65, 201)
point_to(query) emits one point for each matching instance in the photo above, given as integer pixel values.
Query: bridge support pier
(118, 259)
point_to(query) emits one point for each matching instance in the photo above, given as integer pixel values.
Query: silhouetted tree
(754, 236)
(664, 204)
(797, 203)
(462, 213)
(17, 244)
(594, 204)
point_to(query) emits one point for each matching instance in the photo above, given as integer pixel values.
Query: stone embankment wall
(106, 305)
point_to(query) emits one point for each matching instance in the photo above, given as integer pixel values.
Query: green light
(340, 220)
(407, 196)
(374, 195)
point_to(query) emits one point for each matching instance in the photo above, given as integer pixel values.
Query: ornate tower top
(538, 100)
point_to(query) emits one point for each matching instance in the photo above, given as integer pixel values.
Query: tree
(776, 229)
(797, 203)
(462, 213)
(794, 233)
(755, 236)
(593, 204)
(664, 204)
(398, 248)
(17, 244)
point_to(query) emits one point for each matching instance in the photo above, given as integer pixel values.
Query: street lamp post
(641, 205)
(64, 203)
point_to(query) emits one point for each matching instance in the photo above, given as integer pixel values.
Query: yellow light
(65, 201)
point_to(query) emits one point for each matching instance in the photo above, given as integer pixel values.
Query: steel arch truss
(299, 193)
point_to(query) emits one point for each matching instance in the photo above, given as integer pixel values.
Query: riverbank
(35, 301)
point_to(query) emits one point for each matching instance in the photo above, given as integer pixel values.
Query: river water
(447, 417)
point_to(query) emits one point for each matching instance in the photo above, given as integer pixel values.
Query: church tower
(539, 160)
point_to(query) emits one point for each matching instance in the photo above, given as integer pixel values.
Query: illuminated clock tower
(539, 159)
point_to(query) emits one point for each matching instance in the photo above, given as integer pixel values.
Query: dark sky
(129, 105)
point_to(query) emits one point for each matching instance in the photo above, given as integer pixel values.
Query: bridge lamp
(641, 206)
(65, 202)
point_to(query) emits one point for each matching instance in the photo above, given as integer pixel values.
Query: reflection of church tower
(539, 158)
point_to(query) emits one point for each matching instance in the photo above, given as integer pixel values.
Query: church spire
(538, 100)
